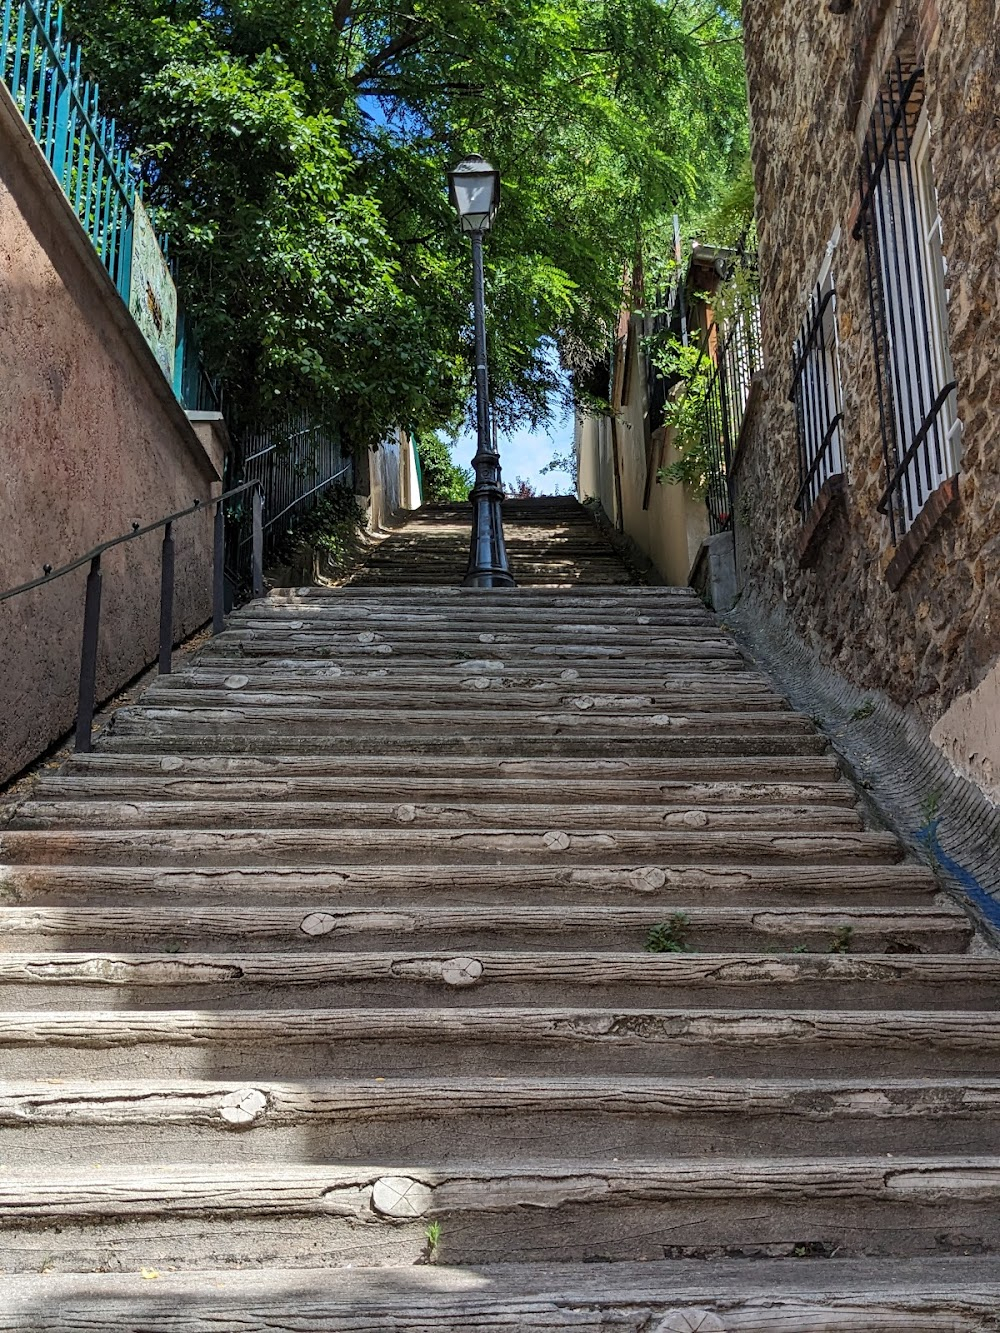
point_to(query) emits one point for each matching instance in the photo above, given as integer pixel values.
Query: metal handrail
(86, 700)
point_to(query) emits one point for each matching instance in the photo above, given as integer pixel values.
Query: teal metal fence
(41, 68)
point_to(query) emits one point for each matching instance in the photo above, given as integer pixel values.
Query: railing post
(257, 542)
(88, 659)
(167, 600)
(219, 572)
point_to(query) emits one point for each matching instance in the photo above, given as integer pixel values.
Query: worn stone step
(138, 734)
(358, 813)
(339, 696)
(500, 599)
(599, 619)
(735, 689)
(88, 977)
(395, 1119)
(664, 888)
(282, 1043)
(401, 630)
(296, 716)
(189, 1215)
(644, 649)
(72, 788)
(767, 1295)
(324, 924)
(729, 671)
(618, 774)
(231, 846)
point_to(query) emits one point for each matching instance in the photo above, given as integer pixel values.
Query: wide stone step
(396, 1119)
(643, 630)
(926, 1295)
(189, 1215)
(340, 696)
(669, 671)
(87, 977)
(151, 736)
(321, 923)
(138, 786)
(615, 774)
(351, 814)
(142, 845)
(638, 648)
(666, 889)
(599, 619)
(240, 713)
(282, 1043)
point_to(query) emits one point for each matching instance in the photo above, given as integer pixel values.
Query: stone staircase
(550, 541)
(326, 1006)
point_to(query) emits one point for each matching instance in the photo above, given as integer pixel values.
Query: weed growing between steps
(670, 936)
(324, 545)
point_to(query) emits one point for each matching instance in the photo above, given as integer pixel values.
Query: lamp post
(474, 188)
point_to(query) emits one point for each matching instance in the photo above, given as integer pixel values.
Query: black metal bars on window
(913, 381)
(816, 396)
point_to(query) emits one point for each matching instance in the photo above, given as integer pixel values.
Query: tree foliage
(443, 480)
(296, 152)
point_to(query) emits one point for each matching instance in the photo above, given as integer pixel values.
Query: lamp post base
(488, 566)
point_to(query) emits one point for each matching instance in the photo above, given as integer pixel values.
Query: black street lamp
(474, 188)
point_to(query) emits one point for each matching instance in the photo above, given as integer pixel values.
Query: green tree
(296, 153)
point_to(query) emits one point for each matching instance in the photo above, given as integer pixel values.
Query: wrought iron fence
(735, 349)
(42, 71)
(294, 462)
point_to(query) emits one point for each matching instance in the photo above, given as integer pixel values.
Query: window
(901, 226)
(816, 395)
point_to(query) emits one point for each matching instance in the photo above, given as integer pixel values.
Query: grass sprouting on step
(841, 940)
(670, 936)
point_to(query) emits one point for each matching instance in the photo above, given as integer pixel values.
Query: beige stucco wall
(671, 528)
(391, 483)
(91, 441)
(933, 641)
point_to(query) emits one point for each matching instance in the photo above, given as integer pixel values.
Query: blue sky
(523, 453)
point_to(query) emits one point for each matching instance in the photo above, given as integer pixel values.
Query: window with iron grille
(816, 395)
(901, 226)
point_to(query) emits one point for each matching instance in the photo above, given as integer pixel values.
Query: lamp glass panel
(473, 198)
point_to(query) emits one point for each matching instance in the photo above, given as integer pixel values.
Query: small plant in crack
(863, 710)
(670, 936)
(841, 940)
(930, 805)
(432, 1237)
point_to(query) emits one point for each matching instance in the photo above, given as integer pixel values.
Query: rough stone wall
(91, 441)
(812, 78)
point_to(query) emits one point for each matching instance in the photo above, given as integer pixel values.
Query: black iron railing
(294, 463)
(899, 223)
(86, 699)
(736, 346)
(817, 398)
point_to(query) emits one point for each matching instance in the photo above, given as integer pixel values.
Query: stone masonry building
(866, 485)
